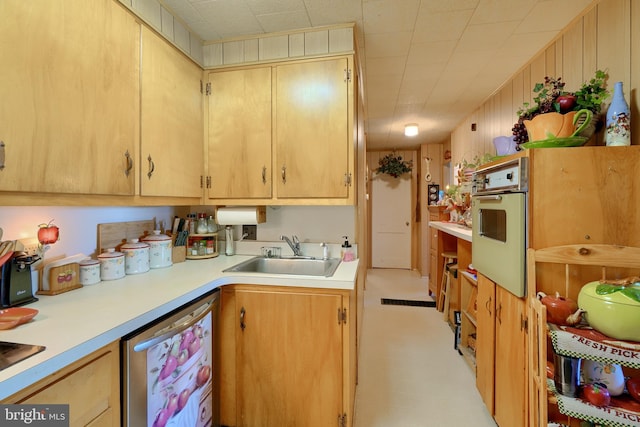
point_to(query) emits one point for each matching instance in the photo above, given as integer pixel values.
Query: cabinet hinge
(208, 89)
(342, 316)
(524, 323)
(347, 179)
(347, 75)
(342, 420)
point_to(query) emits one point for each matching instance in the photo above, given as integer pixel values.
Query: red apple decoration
(597, 394)
(48, 233)
(566, 102)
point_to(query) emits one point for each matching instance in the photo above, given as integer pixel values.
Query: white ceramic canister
(609, 374)
(136, 257)
(89, 271)
(111, 265)
(160, 252)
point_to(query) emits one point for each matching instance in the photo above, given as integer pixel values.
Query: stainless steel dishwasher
(170, 370)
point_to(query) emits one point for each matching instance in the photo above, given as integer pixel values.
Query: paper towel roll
(241, 215)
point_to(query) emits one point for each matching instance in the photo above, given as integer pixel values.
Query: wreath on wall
(394, 165)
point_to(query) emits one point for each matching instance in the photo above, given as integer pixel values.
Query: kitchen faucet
(295, 245)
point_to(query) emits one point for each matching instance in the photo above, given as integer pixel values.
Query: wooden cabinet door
(289, 359)
(486, 340)
(510, 360)
(312, 129)
(171, 118)
(69, 84)
(91, 388)
(239, 137)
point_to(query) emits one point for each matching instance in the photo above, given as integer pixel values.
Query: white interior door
(391, 222)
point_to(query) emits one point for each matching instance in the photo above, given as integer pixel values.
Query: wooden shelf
(471, 318)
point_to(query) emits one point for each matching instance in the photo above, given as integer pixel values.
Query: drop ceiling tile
(491, 11)
(329, 12)
(435, 6)
(486, 37)
(433, 27)
(563, 13)
(430, 52)
(388, 44)
(262, 7)
(389, 16)
(273, 22)
(385, 65)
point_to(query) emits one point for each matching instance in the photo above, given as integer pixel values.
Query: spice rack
(202, 246)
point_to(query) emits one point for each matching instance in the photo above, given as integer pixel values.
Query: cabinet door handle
(264, 174)
(1, 155)
(487, 305)
(284, 174)
(152, 166)
(499, 313)
(242, 313)
(129, 160)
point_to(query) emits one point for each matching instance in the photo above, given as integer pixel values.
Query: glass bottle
(618, 132)
(202, 224)
(211, 225)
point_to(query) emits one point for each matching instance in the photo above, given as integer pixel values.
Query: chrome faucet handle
(296, 240)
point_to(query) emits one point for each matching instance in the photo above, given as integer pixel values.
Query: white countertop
(76, 323)
(461, 231)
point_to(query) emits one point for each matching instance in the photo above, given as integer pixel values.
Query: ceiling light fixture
(411, 129)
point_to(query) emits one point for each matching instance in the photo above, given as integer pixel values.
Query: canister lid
(155, 237)
(89, 261)
(134, 244)
(110, 253)
(625, 295)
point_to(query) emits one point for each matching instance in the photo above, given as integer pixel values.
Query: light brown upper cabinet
(69, 85)
(239, 158)
(172, 141)
(312, 129)
(282, 134)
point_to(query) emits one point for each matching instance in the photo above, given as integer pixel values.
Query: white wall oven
(499, 212)
(170, 370)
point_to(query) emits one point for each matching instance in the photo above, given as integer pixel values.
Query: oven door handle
(199, 314)
(495, 197)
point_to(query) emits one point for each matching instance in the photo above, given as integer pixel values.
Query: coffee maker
(16, 283)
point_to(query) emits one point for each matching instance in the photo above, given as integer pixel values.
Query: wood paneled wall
(600, 39)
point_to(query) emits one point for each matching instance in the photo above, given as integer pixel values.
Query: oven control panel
(510, 176)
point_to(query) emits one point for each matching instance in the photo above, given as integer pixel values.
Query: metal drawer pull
(284, 174)
(152, 167)
(127, 156)
(242, 313)
(1, 155)
(264, 174)
(492, 197)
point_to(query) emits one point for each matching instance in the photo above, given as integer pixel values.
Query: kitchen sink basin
(295, 265)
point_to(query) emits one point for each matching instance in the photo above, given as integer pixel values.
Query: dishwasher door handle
(198, 314)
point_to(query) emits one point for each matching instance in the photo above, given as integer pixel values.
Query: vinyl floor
(410, 375)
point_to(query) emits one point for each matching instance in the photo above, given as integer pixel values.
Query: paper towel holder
(237, 215)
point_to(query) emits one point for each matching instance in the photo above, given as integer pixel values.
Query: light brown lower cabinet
(501, 353)
(286, 356)
(90, 386)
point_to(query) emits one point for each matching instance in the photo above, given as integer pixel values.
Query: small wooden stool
(447, 258)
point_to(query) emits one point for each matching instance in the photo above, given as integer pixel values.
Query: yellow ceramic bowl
(614, 313)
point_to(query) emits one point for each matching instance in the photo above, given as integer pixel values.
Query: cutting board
(114, 234)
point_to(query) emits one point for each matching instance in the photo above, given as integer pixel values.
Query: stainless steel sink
(295, 265)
